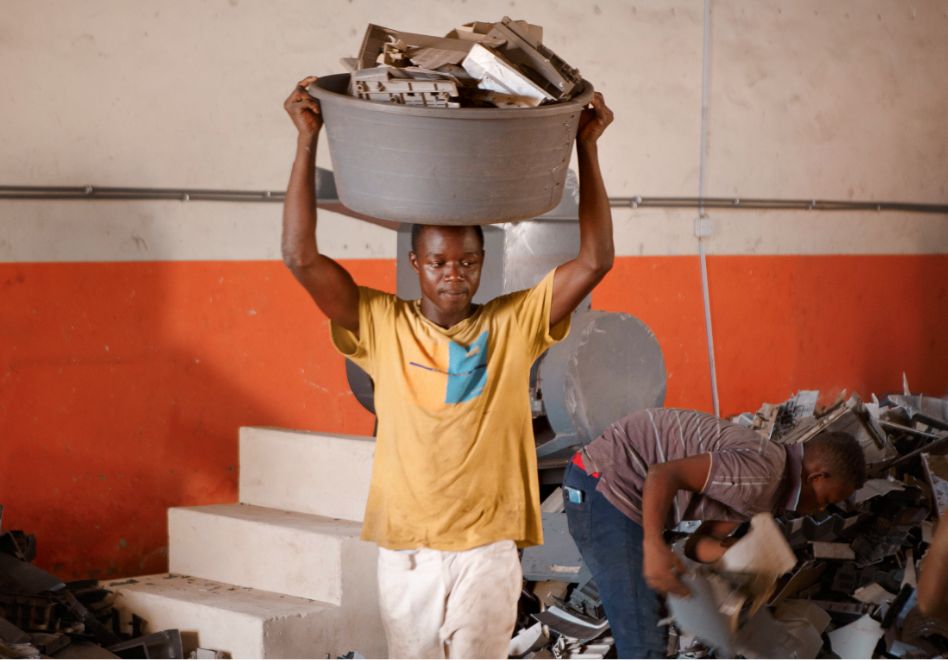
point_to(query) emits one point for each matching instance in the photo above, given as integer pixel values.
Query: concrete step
(283, 551)
(243, 622)
(319, 473)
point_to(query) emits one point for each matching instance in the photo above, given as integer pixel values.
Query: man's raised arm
(328, 283)
(576, 278)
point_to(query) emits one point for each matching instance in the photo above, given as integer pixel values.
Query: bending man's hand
(303, 109)
(662, 568)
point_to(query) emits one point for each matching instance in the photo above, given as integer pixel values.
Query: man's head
(834, 467)
(448, 261)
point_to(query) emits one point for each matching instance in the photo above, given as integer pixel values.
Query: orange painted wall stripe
(784, 323)
(122, 385)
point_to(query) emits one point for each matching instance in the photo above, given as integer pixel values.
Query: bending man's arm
(328, 283)
(576, 278)
(660, 565)
(711, 540)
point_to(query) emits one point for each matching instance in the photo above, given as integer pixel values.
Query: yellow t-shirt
(455, 460)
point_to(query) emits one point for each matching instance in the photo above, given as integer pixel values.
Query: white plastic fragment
(763, 553)
(527, 640)
(858, 639)
(699, 614)
(498, 75)
(873, 593)
(874, 488)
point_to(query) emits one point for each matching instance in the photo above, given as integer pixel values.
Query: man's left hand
(594, 120)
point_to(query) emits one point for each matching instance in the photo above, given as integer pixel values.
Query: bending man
(655, 468)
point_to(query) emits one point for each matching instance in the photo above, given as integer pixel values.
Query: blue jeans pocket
(575, 487)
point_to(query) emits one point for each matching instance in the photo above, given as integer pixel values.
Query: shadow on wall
(122, 386)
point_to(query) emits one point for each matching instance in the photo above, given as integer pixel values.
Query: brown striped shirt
(749, 474)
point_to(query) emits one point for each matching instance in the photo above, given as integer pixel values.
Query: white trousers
(439, 604)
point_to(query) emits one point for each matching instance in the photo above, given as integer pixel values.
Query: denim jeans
(611, 546)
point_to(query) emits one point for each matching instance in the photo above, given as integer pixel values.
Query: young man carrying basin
(454, 485)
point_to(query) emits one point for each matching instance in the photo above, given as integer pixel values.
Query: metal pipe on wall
(702, 222)
(100, 193)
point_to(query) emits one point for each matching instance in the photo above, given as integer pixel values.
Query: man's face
(448, 262)
(821, 490)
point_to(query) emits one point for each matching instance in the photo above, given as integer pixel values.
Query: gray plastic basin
(451, 166)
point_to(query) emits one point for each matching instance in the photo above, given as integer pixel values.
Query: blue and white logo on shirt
(467, 370)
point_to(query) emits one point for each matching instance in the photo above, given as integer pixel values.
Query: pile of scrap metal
(560, 614)
(41, 616)
(838, 584)
(502, 64)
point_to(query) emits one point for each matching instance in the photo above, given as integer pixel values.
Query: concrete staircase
(283, 573)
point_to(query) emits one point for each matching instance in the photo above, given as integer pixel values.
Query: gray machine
(610, 364)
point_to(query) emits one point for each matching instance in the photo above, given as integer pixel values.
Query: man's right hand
(303, 109)
(662, 568)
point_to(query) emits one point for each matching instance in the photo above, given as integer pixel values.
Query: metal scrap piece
(851, 417)
(22, 577)
(571, 625)
(50, 643)
(585, 599)
(30, 612)
(900, 607)
(806, 576)
(164, 644)
(799, 531)
(824, 550)
(377, 37)
(390, 85)
(874, 488)
(838, 607)
(932, 407)
(781, 419)
(558, 558)
(18, 544)
(524, 50)
(764, 636)
(936, 469)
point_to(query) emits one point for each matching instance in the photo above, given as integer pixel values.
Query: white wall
(842, 100)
